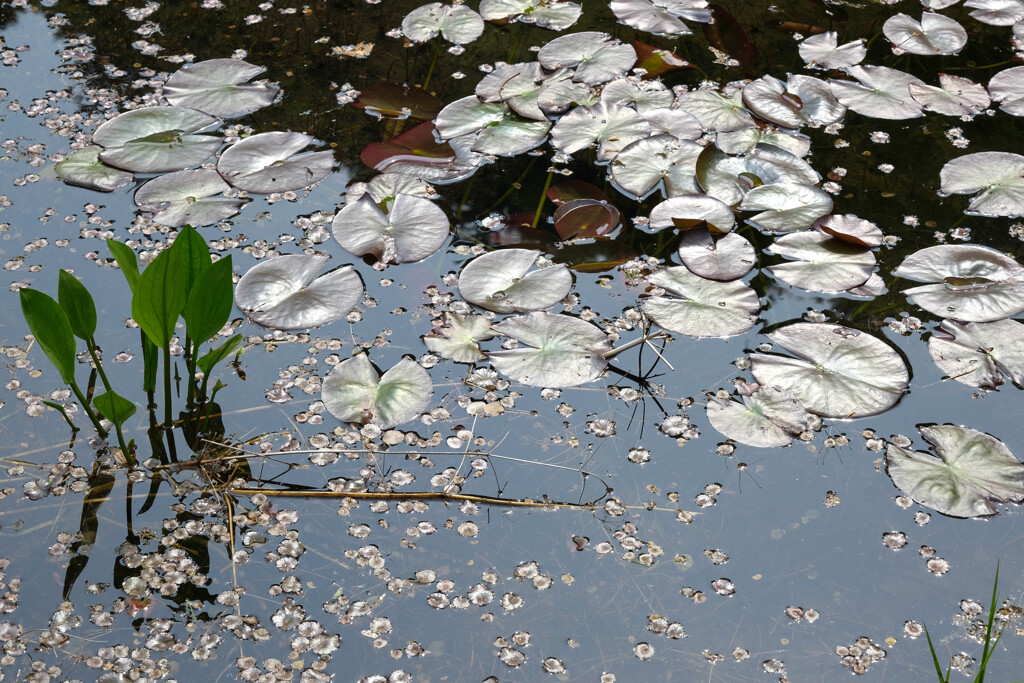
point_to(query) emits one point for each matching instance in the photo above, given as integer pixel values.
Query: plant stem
(67, 418)
(190, 367)
(168, 414)
(543, 197)
(88, 409)
(91, 345)
(433, 62)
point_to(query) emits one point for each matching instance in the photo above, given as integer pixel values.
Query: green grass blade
(990, 645)
(935, 659)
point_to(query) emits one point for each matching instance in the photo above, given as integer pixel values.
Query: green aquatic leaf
(160, 296)
(207, 362)
(115, 408)
(194, 253)
(354, 392)
(209, 301)
(78, 305)
(49, 325)
(972, 470)
(126, 260)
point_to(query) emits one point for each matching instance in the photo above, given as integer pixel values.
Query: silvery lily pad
(597, 56)
(715, 111)
(458, 339)
(744, 141)
(510, 136)
(284, 292)
(502, 281)
(849, 228)
(785, 207)
(838, 372)
(644, 164)
(822, 263)
(997, 12)
(550, 14)
(880, 92)
(979, 354)
(464, 165)
(412, 229)
(468, 115)
(701, 308)
(611, 126)
(729, 178)
(270, 162)
(972, 470)
(386, 186)
(690, 210)
(997, 177)
(800, 101)
(84, 169)
(218, 87)
(354, 392)
(675, 122)
(157, 139)
(644, 96)
(875, 286)
(768, 417)
(935, 34)
(1007, 88)
(521, 87)
(456, 23)
(957, 96)
(192, 197)
(730, 257)
(555, 350)
(971, 283)
(661, 17)
(823, 51)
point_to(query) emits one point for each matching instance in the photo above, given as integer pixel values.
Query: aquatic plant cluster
(720, 180)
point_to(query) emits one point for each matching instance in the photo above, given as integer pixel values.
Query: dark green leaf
(49, 325)
(218, 354)
(115, 408)
(77, 304)
(127, 260)
(195, 254)
(161, 296)
(150, 358)
(209, 303)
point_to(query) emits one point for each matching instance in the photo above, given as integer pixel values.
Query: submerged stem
(88, 409)
(433, 62)
(543, 197)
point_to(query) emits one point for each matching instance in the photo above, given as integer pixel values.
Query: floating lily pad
(935, 34)
(716, 111)
(569, 190)
(194, 197)
(768, 417)
(510, 136)
(674, 122)
(354, 392)
(744, 141)
(657, 61)
(384, 187)
(555, 15)
(468, 115)
(970, 283)
(972, 470)
(586, 218)
(822, 263)
(701, 308)
(412, 229)
(729, 178)
(957, 96)
(284, 292)
(644, 96)
(730, 257)
(84, 169)
(523, 86)
(786, 207)
(593, 255)
(270, 162)
(879, 92)
(979, 354)
(823, 51)
(659, 161)
(997, 12)
(997, 177)
(661, 17)
(838, 372)
(690, 211)
(415, 146)
(800, 101)
(157, 139)
(597, 56)
(502, 281)
(218, 87)
(556, 350)
(1007, 88)
(850, 229)
(456, 23)
(459, 339)
(611, 126)
(875, 286)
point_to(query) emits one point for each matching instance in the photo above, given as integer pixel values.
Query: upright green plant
(987, 650)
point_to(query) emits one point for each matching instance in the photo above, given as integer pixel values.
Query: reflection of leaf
(100, 486)
(972, 470)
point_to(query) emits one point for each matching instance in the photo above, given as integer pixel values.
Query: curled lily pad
(823, 263)
(935, 34)
(157, 139)
(284, 292)
(218, 87)
(970, 283)
(459, 339)
(465, 163)
(785, 207)
(593, 255)
(879, 92)
(456, 23)
(768, 417)
(191, 197)
(850, 229)
(522, 87)
(690, 211)
(701, 308)
(661, 17)
(586, 218)
(972, 470)
(957, 96)
(412, 229)
(611, 126)
(597, 56)
(394, 101)
(270, 162)
(556, 350)
(729, 178)
(730, 257)
(800, 101)
(645, 164)
(997, 177)
(838, 372)
(354, 392)
(84, 169)
(384, 187)
(875, 286)
(1007, 88)
(502, 281)
(979, 354)
(823, 51)
(415, 146)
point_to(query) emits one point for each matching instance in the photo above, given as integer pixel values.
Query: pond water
(599, 532)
